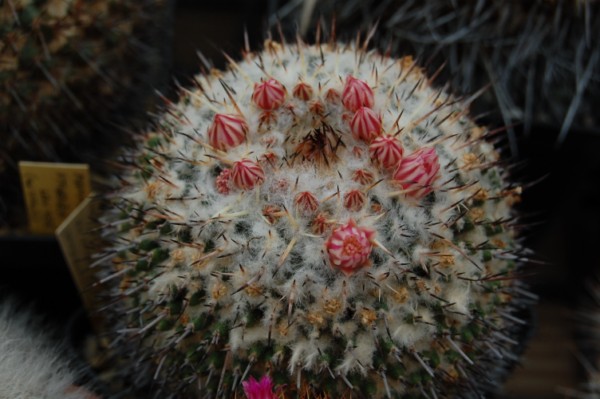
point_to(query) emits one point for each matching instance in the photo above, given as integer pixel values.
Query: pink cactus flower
(349, 247)
(227, 131)
(417, 172)
(365, 125)
(268, 95)
(357, 93)
(262, 389)
(386, 151)
(246, 174)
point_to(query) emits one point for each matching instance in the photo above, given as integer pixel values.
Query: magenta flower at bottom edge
(262, 389)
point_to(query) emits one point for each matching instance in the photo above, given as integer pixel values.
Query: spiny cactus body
(73, 75)
(323, 215)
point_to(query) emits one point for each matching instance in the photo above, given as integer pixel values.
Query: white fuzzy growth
(359, 357)
(31, 366)
(412, 334)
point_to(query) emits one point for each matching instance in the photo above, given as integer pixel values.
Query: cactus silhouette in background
(540, 58)
(74, 75)
(317, 220)
(31, 363)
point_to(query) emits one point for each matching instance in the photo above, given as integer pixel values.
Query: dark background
(561, 214)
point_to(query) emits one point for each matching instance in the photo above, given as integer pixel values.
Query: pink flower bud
(365, 125)
(306, 202)
(223, 181)
(246, 174)
(354, 200)
(362, 176)
(262, 389)
(320, 223)
(332, 95)
(357, 93)
(268, 95)
(317, 108)
(303, 91)
(227, 131)
(349, 247)
(272, 213)
(417, 172)
(386, 151)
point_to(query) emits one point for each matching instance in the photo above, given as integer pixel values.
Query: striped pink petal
(418, 171)
(268, 95)
(349, 247)
(227, 131)
(357, 93)
(365, 125)
(386, 151)
(246, 174)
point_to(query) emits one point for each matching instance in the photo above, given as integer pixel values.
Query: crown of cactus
(322, 219)
(72, 70)
(540, 57)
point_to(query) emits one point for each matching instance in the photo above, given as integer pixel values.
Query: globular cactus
(74, 75)
(540, 58)
(321, 220)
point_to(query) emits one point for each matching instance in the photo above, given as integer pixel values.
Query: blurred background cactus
(323, 215)
(541, 58)
(74, 76)
(34, 361)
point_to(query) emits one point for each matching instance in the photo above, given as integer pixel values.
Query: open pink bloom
(365, 125)
(262, 389)
(418, 171)
(357, 93)
(227, 131)
(268, 95)
(386, 151)
(349, 247)
(246, 174)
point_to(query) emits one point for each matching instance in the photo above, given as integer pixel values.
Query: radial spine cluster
(322, 215)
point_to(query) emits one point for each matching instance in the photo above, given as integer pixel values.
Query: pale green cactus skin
(215, 283)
